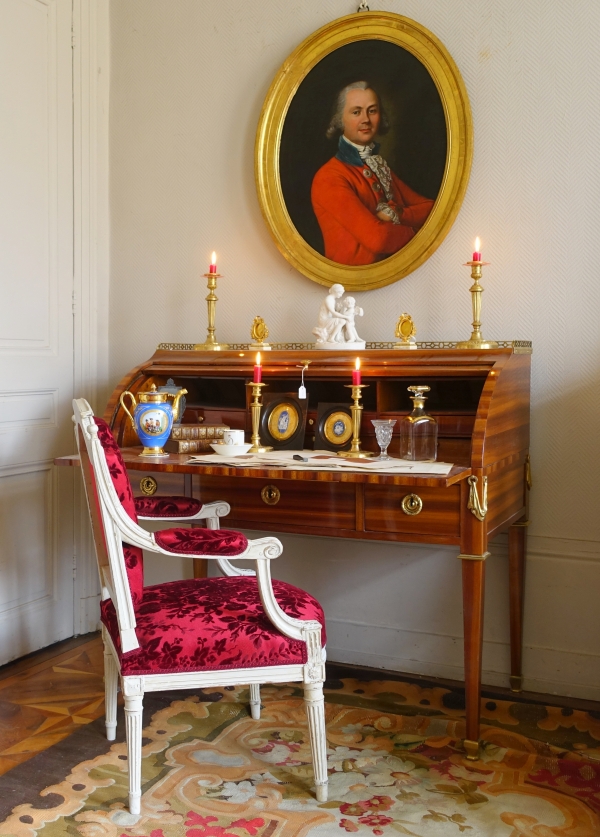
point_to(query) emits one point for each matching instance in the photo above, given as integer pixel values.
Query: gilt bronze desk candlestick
(256, 407)
(476, 341)
(356, 409)
(211, 344)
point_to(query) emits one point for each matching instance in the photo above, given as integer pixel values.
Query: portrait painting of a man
(365, 212)
(363, 151)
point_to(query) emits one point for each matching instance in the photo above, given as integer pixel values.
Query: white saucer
(230, 450)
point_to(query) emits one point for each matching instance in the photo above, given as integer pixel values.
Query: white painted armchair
(173, 636)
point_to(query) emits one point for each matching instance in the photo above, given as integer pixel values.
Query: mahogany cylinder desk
(481, 402)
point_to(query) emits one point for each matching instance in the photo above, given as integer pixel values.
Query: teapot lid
(153, 396)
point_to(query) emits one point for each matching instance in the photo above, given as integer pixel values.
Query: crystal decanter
(418, 430)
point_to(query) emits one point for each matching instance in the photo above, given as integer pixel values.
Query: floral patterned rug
(395, 767)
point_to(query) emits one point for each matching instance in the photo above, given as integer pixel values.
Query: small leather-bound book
(194, 438)
(198, 431)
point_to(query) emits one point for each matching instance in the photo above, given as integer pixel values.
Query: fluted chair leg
(255, 701)
(111, 681)
(315, 710)
(133, 727)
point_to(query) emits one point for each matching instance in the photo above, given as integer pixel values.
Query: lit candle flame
(357, 364)
(258, 358)
(477, 245)
(213, 258)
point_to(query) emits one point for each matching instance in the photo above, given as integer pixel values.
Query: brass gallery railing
(519, 346)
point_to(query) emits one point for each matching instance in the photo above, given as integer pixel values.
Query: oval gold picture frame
(293, 420)
(431, 53)
(329, 428)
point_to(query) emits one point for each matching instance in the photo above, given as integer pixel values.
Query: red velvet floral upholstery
(158, 506)
(210, 624)
(134, 559)
(202, 541)
(117, 468)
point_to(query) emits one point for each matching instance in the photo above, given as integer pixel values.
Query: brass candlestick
(476, 341)
(211, 344)
(356, 409)
(256, 407)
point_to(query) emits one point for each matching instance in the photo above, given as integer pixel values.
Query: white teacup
(233, 437)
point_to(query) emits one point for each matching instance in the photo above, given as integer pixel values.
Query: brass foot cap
(516, 682)
(471, 749)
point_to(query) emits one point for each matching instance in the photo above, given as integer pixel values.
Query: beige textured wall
(188, 80)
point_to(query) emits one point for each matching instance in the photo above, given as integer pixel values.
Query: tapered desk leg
(473, 580)
(200, 568)
(200, 564)
(517, 540)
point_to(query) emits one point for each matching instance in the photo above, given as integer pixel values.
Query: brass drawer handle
(271, 495)
(412, 504)
(148, 486)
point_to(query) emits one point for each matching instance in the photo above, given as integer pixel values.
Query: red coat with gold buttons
(345, 198)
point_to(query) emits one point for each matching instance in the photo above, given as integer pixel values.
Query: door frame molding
(91, 79)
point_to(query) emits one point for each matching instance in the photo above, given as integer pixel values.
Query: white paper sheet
(322, 461)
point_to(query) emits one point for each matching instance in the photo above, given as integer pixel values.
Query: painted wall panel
(27, 549)
(27, 409)
(27, 143)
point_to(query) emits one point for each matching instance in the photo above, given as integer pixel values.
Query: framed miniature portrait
(334, 427)
(283, 421)
(363, 150)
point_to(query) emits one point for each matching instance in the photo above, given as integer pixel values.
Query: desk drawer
(166, 484)
(257, 502)
(439, 514)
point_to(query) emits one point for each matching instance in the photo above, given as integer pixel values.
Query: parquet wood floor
(46, 696)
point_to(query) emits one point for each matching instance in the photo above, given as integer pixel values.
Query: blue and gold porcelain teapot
(152, 418)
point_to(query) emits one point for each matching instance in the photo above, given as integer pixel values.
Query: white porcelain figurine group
(336, 328)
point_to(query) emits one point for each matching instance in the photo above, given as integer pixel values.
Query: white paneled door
(36, 324)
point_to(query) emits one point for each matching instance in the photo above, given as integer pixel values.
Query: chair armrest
(186, 509)
(129, 531)
(264, 549)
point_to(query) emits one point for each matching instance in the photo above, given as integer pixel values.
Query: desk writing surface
(179, 463)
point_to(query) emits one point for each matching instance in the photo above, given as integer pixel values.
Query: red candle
(477, 253)
(356, 373)
(213, 263)
(257, 370)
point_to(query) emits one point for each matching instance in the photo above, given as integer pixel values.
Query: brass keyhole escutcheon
(148, 486)
(271, 495)
(412, 504)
